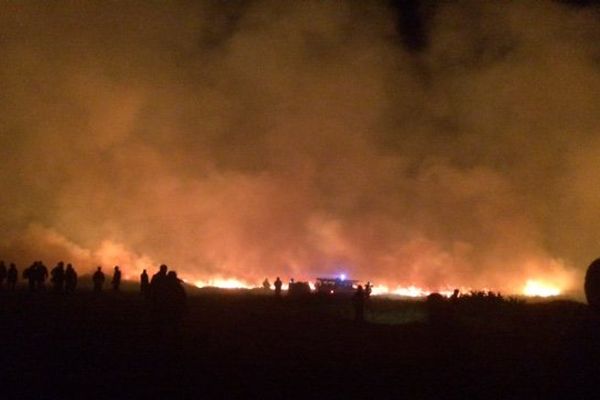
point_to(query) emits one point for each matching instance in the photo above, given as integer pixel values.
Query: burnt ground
(254, 346)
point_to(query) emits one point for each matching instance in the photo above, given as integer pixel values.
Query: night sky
(433, 143)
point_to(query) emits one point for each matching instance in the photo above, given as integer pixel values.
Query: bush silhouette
(592, 284)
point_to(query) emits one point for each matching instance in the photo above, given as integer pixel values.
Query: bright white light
(541, 289)
(379, 290)
(343, 277)
(229, 283)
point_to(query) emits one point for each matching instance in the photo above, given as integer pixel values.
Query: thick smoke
(262, 138)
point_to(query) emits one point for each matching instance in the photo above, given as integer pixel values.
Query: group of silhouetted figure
(166, 295)
(63, 280)
(278, 284)
(359, 298)
(164, 292)
(10, 275)
(98, 279)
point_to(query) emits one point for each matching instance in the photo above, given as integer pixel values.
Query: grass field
(238, 343)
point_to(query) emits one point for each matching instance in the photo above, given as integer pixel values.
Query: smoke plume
(248, 139)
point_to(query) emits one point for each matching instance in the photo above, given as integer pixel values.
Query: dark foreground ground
(252, 346)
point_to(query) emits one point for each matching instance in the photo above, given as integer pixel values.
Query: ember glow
(235, 141)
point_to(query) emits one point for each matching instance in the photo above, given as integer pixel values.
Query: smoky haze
(262, 138)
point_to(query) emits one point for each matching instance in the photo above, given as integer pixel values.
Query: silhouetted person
(368, 290)
(98, 279)
(29, 273)
(157, 290)
(158, 281)
(116, 279)
(70, 279)
(174, 299)
(160, 276)
(58, 277)
(358, 301)
(36, 274)
(266, 284)
(12, 276)
(144, 284)
(277, 285)
(168, 301)
(455, 295)
(41, 275)
(3, 274)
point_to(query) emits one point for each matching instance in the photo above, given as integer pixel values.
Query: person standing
(159, 286)
(266, 284)
(30, 273)
(174, 300)
(58, 277)
(3, 274)
(41, 275)
(368, 290)
(158, 281)
(12, 276)
(116, 279)
(277, 285)
(98, 279)
(358, 301)
(144, 284)
(70, 279)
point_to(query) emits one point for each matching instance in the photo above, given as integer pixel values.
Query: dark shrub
(592, 284)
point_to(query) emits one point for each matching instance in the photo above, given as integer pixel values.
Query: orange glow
(379, 290)
(228, 283)
(540, 289)
(410, 291)
(532, 288)
(537, 276)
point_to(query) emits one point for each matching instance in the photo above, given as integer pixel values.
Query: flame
(379, 290)
(404, 291)
(539, 288)
(532, 288)
(227, 283)
(543, 277)
(410, 291)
